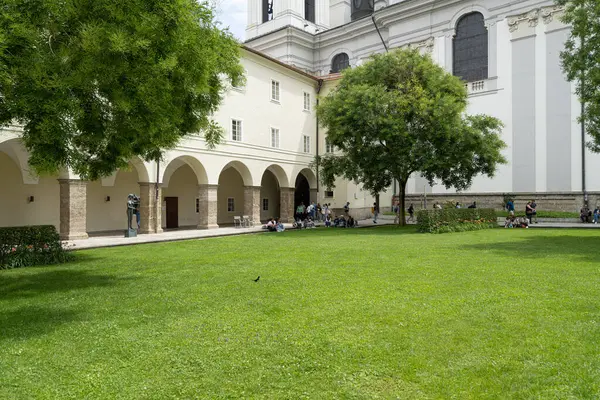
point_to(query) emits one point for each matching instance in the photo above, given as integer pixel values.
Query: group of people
(274, 225)
(586, 215)
(530, 210)
(516, 222)
(316, 212)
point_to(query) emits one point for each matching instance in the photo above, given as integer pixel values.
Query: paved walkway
(171, 236)
(569, 225)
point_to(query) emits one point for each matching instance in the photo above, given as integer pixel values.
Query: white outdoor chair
(248, 222)
(238, 222)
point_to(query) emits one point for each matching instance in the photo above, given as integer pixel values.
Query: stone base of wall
(557, 201)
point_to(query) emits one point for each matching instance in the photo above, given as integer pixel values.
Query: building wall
(15, 209)
(526, 88)
(183, 185)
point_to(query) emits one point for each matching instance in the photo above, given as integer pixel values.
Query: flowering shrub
(30, 245)
(456, 220)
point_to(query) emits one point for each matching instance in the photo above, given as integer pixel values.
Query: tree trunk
(402, 208)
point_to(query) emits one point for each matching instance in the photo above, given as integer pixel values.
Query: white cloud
(232, 14)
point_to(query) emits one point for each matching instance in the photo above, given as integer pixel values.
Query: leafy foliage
(581, 60)
(401, 114)
(30, 245)
(95, 83)
(456, 220)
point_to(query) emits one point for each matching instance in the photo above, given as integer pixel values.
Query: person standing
(319, 212)
(534, 211)
(510, 206)
(529, 211)
(411, 213)
(375, 211)
(347, 208)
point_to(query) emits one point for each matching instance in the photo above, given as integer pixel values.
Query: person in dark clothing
(529, 211)
(474, 205)
(411, 214)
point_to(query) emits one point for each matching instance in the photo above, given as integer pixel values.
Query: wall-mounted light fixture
(107, 198)
(30, 199)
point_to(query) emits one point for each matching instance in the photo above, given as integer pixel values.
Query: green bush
(24, 246)
(456, 220)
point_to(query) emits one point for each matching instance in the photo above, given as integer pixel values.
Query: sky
(232, 13)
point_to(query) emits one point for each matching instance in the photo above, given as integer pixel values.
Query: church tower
(266, 16)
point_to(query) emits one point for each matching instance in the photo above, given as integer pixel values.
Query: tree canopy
(581, 60)
(401, 114)
(97, 82)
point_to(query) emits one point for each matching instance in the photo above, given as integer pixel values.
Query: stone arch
(309, 175)
(242, 169)
(27, 199)
(13, 147)
(305, 188)
(273, 180)
(280, 174)
(177, 162)
(136, 164)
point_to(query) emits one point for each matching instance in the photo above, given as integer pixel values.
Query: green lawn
(337, 314)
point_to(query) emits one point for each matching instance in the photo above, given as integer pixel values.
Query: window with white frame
(236, 130)
(265, 204)
(230, 204)
(329, 148)
(306, 101)
(306, 144)
(275, 90)
(275, 138)
(329, 193)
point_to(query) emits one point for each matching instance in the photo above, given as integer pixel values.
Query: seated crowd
(586, 215)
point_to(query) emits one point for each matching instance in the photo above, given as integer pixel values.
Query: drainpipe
(583, 185)
(380, 37)
(157, 202)
(319, 86)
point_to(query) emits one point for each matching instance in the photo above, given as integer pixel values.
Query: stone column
(73, 209)
(287, 204)
(313, 196)
(252, 203)
(207, 215)
(150, 208)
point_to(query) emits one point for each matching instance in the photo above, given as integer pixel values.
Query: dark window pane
(340, 62)
(309, 10)
(471, 48)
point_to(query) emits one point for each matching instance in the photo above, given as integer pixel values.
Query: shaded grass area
(354, 313)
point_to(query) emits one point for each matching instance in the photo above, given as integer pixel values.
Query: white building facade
(261, 170)
(508, 53)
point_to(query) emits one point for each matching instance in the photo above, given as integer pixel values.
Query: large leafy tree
(581, 60)
(401, 114)
(96, 82)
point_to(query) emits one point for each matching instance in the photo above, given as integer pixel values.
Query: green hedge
(456, 220)
(30, 245)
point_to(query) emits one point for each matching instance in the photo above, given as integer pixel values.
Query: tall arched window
(340, 62)
(309, 10)
(471, 48)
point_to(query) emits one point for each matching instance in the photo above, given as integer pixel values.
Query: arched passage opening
(181, 202)
(25, 199)
(305, 188)
(106, 198)
(273, 179)
(234, 193)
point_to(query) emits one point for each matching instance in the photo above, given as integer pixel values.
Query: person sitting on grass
(271, 225)
(523, 222)
(351, 222)
(508, 222)
(328, 220)
(279, 226)
(309, 223)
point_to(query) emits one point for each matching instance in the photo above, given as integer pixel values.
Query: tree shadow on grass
(583, 247)
(54, 281)
(33, 320)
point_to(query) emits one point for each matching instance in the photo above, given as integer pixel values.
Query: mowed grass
(355, 314)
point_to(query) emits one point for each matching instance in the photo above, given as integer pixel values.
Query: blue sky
(232, 13)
